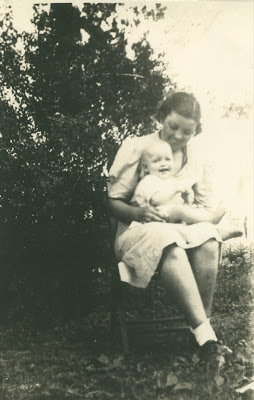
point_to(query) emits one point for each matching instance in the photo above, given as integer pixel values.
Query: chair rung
(164, 337)
(155, 321)
(162, 329)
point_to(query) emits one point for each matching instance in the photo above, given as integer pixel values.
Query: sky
(208, 46)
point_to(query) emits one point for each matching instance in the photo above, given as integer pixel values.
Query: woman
(187, 256)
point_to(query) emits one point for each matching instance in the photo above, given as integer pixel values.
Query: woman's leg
(204, 261)
(177, 277)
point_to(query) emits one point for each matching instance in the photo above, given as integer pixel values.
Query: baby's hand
(188, 196)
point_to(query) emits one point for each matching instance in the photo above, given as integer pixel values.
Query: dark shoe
(211, 353)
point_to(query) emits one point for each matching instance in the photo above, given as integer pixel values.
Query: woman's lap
(140, 246)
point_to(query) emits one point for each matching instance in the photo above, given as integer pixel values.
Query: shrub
(235, 278)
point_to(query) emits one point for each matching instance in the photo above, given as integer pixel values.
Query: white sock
(192, 330)
(204, 332)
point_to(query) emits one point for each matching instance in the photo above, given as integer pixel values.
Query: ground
(77, 360)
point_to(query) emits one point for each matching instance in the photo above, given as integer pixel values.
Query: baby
(172, 197)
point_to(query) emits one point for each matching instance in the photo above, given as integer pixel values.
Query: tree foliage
(74, 102)
(70, 92)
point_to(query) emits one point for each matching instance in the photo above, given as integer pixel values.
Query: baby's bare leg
(229, 233)
(191, 215)
(232, 231)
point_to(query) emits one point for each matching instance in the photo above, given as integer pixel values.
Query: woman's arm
(127, 213)
(206, 197)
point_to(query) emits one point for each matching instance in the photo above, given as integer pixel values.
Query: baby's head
(157, 160)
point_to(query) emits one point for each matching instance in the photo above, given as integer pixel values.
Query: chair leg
(122, 319)
(119, 293)
(118, 313)
(114, 308)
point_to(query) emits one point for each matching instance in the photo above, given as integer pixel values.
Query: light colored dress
(139, 246)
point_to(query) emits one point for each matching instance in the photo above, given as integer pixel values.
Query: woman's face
(177, 130)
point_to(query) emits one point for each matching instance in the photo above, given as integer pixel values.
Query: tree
(71, 102)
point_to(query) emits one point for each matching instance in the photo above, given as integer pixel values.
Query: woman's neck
(177, 151)
(179, 158)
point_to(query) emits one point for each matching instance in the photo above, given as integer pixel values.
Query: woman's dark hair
(182, 103)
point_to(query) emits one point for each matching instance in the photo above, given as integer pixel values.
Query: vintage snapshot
(126, 200)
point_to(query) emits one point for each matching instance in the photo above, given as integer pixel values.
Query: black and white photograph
(126, 200)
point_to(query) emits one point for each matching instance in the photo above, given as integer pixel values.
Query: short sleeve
(204, 189)
(201, 171)
(123, 174)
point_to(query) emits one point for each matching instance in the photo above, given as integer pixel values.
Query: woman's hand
(128, 213)
(150, 214)
(188, 196)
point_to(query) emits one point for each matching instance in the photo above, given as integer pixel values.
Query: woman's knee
(174, 252)
(211, 248)
(174, 260)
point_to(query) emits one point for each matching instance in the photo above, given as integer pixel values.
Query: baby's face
(159, 161)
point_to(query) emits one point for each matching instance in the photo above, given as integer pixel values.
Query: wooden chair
(157, 328)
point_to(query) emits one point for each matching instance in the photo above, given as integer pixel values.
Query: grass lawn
(76, 360)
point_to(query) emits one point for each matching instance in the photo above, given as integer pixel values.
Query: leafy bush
(235, 288)
(65, 107)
